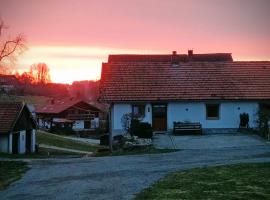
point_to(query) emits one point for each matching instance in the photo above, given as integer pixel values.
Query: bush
(263, 121)
(141, 129)
(244, 120)
(62, 130)
(104, 140)
(126, 122)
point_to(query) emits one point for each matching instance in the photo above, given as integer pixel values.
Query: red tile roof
(56, 106)
(214, 57)
(8, 80)
(9, 113)
(160, 81)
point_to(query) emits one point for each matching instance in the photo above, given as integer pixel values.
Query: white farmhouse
(211, 89)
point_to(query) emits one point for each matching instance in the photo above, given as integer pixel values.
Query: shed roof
(9, 114)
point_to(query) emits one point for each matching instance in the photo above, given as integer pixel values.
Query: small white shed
(17, 128)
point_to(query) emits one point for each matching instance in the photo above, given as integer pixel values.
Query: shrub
(62, 130)
(244, 120)
(141, 129)
(104, 140)
(263, 122)
(126, 122)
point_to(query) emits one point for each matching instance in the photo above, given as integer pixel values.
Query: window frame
(142, 115)
(206, 111)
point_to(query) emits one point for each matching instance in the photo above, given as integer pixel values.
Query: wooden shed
(17, 128)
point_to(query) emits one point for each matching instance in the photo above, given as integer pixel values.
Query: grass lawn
(135, 151)
(11, 171)
(58, 141)
(242, 181)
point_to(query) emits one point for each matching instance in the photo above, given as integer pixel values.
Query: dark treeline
(23, 85)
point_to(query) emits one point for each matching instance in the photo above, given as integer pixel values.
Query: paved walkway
(85, 140)
(212, 141)
(65, 149)
(121, 177)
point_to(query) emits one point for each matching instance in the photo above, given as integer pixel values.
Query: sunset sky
(75, 36)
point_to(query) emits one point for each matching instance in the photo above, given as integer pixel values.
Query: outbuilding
(17, 128)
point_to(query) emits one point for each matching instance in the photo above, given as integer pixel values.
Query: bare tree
(10, 48)
(40, 73)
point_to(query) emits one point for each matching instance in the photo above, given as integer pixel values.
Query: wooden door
(15, 143)
(159, 117)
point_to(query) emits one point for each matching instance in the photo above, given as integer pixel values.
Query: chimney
(174, 60)
(190, 53)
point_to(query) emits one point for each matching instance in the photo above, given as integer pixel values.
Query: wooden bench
(187, 128)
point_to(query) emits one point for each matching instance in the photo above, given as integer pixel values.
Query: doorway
(159, 117)
(15, 143)
(28, 141)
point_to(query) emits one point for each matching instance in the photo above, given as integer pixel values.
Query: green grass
(135, 151)
(11, 171)
(58, 141)
(242, 181)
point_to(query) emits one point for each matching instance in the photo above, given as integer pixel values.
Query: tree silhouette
(40, 73)
(10, 48)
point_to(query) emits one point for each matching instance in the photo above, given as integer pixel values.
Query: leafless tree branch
(11, 48)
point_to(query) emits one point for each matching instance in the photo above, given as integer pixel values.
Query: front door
(159, 117)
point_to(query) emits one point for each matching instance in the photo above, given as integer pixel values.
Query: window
(138, 110)
(87, 124)
(212, 111)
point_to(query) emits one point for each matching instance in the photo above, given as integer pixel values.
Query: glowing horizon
(73, 37)
(77, 63)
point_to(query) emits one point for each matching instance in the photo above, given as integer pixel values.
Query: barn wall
(196, 112)
(33, 140)
(4, 143)
(10, 143)
(22, 142)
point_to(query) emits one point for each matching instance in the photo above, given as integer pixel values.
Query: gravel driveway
(123, 176)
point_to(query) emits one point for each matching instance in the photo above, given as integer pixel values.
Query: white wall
(22, 142)
(4, 143)
(44, 123)
(118, 110)
(148, 113)
(95, 123)
(196, 112)
(10, 143)
(78, 125)
(193, 112)
(33, 140)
